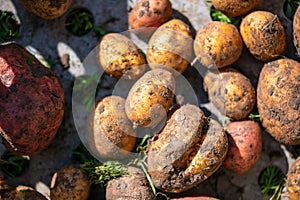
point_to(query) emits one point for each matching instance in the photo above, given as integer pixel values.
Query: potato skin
(278, 100)
(24, 193)
(150, 98)
(264, 35)
(120, 57)
(47, 9)
(218, 44)
(31, 101)
(188, 150)
(110, 133)
(292, 181)
(296, 30)
(134, 186)
(234, 8)
(245, 145)
(170, 46)
(70, 182)
(150, 13)
(231, 92)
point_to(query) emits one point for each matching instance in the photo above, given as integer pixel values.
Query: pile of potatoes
(191, 146)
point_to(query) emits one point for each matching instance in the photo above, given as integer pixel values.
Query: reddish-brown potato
(234, 8)
(278, 100)
(218, 44)
(264, 35)
(245, 145)
(31, 101)
(296, 30)
(292, 181)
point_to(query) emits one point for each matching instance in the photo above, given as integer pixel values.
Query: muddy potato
(31, 101)
(47, 9)
(70, 182)
(120, 57)
(278, 100)
(296, 30)
(21, 193)
(264, 35)
(150, 13)
(171, 46)
(110, 132)
(134, 186)
(231, 92)
(189, 149)
(218, 44)
(234, 8)
(150, 98)
(245, 145)
(292, 181)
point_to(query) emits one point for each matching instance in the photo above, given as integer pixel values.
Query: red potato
(31, 101)
(245, 145)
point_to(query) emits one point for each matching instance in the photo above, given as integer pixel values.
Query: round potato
(296, 30)
(278, 100)
(218, 44)
(245, 145)
(20, 193)
(231, 92)
(150, 98)
(70, 182)
(150, 13)
(264, 35)
(292, 181)
(234, 8)
(47, 9)
(189, 149)
(120, 57)
(110, 133)
(170, 46)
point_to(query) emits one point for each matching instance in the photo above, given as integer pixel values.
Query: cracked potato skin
(171, 46)
(189, 149)
(292, 181)
(218, 44)
(31, 101)
(231, 92)
(111, 135)
(278, 100)
(47, 9)
(120, 57)
(234, 8)
(264, 35)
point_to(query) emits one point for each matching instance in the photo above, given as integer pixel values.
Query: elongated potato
(278, 100)
(231, 92)
(110, 132)
(150, 98)
(264, 35)
(234, 8)
(170, 46)
(189, 149)
(120, 57)
(218, 44)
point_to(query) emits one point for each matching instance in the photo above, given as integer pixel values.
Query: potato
(110, 132)
(218, 44)
(264, 35)
(190, 148)
(170, 46)
(234, 8)
(245, 145)
(231, 92)
(31, 101)
(120, 57)
(150, 98)
(196, 198)
(47, 9)
(278, 100)
(296, 30)
(133, 186)
(70, 182)
(21, 193)
(150, 13)
(292, 181)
